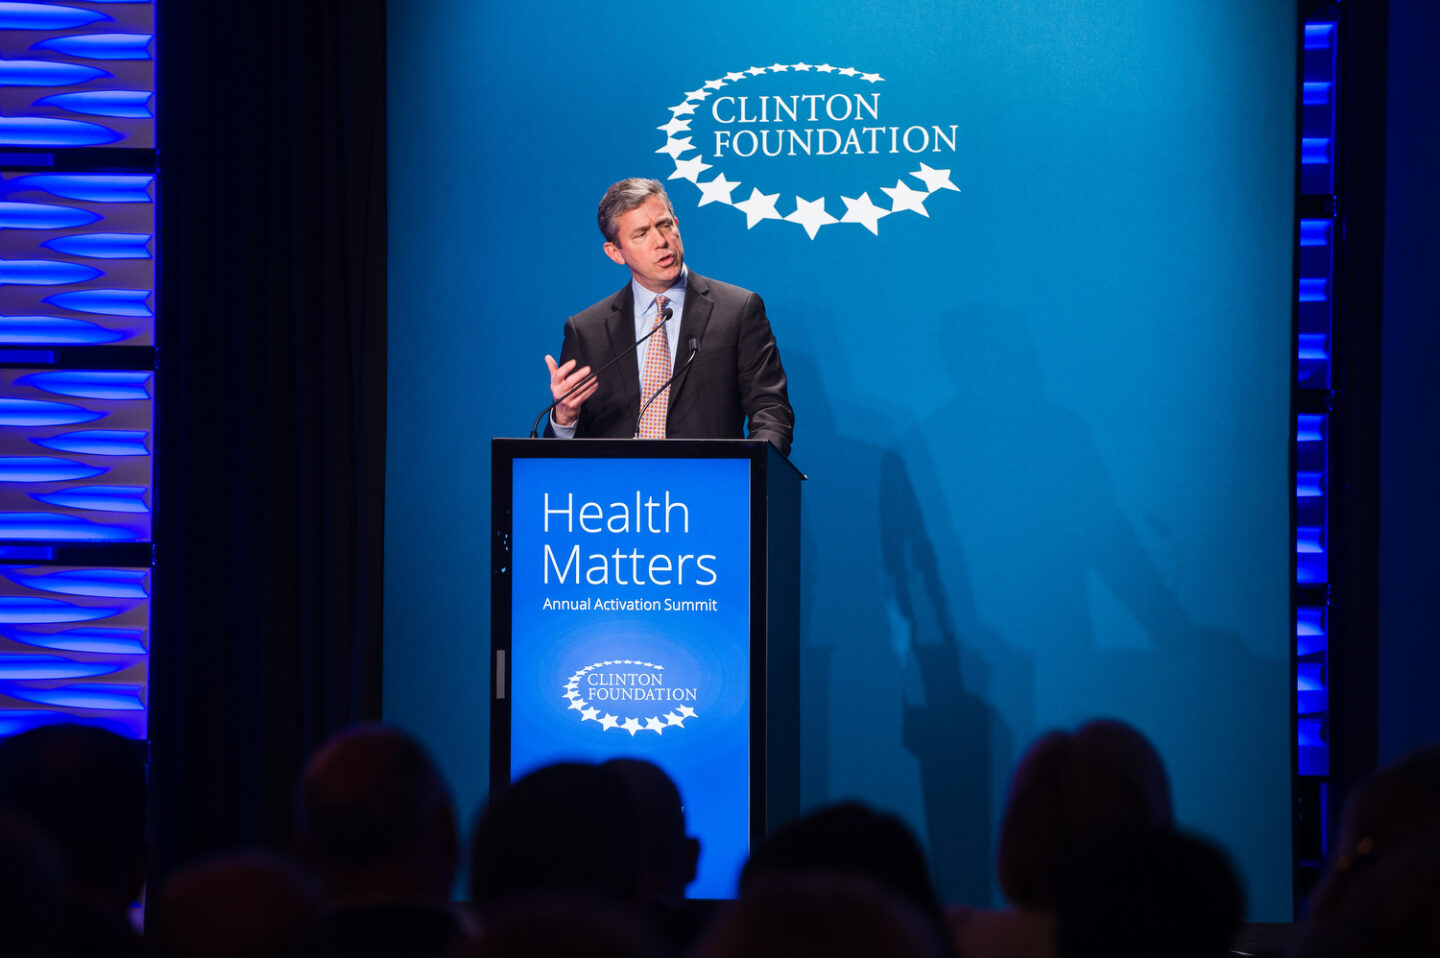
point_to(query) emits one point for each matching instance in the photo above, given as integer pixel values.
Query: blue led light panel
(75, 455)
(1311, 501)
(77, 259)
(74, 644)
(77, 74)
(1318, 97)
(1316, 255)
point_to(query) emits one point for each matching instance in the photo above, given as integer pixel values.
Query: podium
(645, 604)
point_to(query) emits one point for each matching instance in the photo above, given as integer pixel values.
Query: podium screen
(630, 632)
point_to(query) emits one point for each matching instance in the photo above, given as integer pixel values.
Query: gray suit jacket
(736, 375)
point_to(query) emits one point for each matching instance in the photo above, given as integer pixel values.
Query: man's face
(647, 240)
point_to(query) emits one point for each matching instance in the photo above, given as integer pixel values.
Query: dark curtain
(271, 396)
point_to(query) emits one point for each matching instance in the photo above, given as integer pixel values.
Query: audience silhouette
(553, 924)
(248, 905)
(85, 789)
(668, 855)
(834, 914)
(31, 889)
(849, 838)
(594, 859)
(1380, 895)
(1069, 791)
(568, 827)
(378, 826)
(1137, 891)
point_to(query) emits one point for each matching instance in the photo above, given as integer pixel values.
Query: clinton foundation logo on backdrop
(631, 696)
(810, 145)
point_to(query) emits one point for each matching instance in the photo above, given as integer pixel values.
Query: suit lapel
(698, 306)
(620, 329)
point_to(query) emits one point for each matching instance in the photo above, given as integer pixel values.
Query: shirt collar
(645, 300)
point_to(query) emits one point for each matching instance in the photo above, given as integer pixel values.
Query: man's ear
(613, 251)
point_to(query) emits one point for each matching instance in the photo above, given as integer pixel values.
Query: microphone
(664, 318)
(694, 347)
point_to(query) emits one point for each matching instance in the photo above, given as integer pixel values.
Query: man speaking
(674, 354)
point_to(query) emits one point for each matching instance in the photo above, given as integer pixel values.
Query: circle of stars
(588, 713)
(811, 215)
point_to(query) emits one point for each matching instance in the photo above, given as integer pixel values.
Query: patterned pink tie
(657, 370)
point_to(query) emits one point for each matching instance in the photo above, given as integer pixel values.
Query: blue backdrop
(1030, 271)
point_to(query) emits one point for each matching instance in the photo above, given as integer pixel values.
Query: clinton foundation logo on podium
(816, 146)
(629, 696)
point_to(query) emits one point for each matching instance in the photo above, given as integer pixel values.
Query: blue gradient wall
(1045, 420)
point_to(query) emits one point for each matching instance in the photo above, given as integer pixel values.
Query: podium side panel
(781, 638)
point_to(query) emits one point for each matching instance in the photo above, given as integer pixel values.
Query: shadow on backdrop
(1005, 543)
(886, 715)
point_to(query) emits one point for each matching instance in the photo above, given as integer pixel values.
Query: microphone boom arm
(664, 319)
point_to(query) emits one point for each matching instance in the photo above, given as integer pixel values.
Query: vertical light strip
(1315, 295)
(78, 250)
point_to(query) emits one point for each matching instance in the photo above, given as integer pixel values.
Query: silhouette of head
(568, 827)
(1390, 908)
(377, 817)
(251, 905)
(668, 856)
(849, 838)
(1387, 813)
(818, 913)
(563, 925)
(31, 890)
(85, 788)
(1069, 790)
(1135, 889)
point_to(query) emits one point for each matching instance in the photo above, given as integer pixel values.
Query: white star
(686, 711)
(935, 179)
(717, 190)
(714, 84)
(578, 705)
(758, 207)
(608, 721)
(673, 719)
(589, 715)
(684, 109)
(871, 77)
(732, 77)
(698, 93)
(572, 684)
(655, 724)
(755, 71)
(572, 694)
(864, 212)
(689, 169)
(778, 68)
(631, 725)
(811, 215)
(825, 68)
(802, 67)
(675, 147)
(849, 72)
(903, 197)
(676, 125)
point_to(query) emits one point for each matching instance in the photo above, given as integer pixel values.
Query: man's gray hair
(623, 197)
